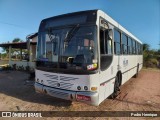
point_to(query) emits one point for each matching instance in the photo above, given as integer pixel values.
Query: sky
(18, 18)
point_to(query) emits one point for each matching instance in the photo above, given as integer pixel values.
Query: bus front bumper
(86, 96)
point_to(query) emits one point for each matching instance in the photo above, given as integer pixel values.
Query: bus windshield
(68, 48)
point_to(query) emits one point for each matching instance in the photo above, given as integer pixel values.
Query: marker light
(93, 88)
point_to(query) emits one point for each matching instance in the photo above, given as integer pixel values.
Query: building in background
(25, 60)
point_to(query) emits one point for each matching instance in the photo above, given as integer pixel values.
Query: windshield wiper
(71, 33)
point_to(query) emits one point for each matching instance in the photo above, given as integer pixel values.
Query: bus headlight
(85, 88)
(78, 88)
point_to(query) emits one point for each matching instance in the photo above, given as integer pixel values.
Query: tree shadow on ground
(12, 83)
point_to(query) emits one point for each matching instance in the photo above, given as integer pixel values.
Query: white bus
(85, 56)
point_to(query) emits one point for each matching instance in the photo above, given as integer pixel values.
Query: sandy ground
(137, 94)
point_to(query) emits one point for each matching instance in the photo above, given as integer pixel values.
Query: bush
(153, 62)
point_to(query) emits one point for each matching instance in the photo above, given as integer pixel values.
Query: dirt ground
(137, 94)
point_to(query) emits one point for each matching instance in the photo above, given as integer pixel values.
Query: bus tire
(116, 87)
(136, 75)
(119, 75)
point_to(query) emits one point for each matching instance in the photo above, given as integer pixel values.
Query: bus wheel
(116, 88)
(136, 75)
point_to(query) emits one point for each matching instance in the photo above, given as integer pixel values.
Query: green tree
(150, 56)
(146, 55)
(146, 47)
(17, 40)
(13, 41)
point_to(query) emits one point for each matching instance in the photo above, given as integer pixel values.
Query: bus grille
(62, 82)
(63, 78)
(58, 94)
(58, 84)
(53, 77)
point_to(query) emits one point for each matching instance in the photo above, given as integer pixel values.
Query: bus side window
(129, 46)
(117, 39)
(102, 42)
(108, 41)
(105, 48)
(141, 49)
(124, 44)
(134, 46)
(137, 45)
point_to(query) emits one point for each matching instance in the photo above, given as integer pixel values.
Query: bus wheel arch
(136, 75)
(117, 84)
(119, 75)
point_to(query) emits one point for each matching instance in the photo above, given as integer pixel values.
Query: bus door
(106, 57)
(106, 46)
(117, 46)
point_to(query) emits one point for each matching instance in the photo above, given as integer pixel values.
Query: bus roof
(116, 24)
(99, 13)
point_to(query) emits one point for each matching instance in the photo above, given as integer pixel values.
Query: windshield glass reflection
(68, 48)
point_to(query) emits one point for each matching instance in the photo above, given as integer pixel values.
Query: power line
(13, 25)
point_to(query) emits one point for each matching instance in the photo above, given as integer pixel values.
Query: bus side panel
(128, 64)
(131, 68)
(107, 79)
(106, 89)
(128, 69)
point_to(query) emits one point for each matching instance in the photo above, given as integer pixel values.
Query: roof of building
(21, 45)
(32, 35)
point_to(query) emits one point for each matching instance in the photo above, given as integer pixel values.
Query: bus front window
(80, 48)
(71, 48)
